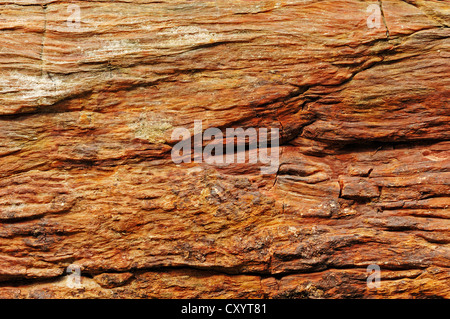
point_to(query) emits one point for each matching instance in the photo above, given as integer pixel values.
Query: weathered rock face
(88, 107)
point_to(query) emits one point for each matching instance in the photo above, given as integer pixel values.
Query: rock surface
(88, 106)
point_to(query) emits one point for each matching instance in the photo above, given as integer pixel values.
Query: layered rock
(87, 111)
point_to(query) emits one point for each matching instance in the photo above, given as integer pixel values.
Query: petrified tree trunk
(90, 93)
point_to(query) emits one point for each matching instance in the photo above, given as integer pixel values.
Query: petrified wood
(88, 106)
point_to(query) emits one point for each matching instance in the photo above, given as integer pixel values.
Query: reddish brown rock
(112, 280)
(87, 111)
(358, 188)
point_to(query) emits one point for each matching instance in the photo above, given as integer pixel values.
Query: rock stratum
(90, 93)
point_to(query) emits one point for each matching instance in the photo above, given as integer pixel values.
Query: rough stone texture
(86, 177)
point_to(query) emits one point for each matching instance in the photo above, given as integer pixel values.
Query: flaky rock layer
(89, 100)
